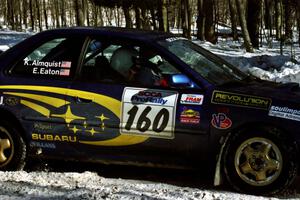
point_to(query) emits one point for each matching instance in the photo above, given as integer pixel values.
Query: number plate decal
(148, 112)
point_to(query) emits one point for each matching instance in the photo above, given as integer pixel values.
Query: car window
(124, 63)
(55, 58)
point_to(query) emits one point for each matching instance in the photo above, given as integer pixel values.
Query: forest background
(251, 21)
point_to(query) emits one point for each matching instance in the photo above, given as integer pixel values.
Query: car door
(127, 121)
(39, 84)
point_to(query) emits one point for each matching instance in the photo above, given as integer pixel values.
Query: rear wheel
(12, 148)
(261, 161)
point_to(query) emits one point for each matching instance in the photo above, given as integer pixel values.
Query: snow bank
(88, 185)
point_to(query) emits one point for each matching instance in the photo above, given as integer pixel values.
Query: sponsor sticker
(148, 112)
(285, 113)
(189, 116)
(46, 145)
(228, 98)
(221, 121)
(61, 68)
(192, 99)
(11, 101)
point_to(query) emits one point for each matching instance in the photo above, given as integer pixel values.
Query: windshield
(209, 66)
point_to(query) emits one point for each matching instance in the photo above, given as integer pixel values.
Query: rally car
(122, 96)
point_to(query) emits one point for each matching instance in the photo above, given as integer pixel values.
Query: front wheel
(12, 148)
(261, 161)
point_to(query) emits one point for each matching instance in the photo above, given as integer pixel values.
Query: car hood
(256, 87)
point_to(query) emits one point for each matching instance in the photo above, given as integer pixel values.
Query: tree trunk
(63, 14)
(25, 7)
(138, 22)
(79, 12)
(210, 34)
(38, 14)
(10, 14)
(234, 19)
(153, 18)
(269, 10)
(127, 15)
(31, 14)
(278, 18)
(242, 16)
(45, 14)
(254, 21)
(298, 20)
(200, 21)
(163, 16)
(289, 19)
(186, 23)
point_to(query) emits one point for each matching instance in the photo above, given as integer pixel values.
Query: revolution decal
(189, 116)
(285, 113)
(221, 121)
(51, 103)
(192, 99)
(148, 112)
(228, 98)
(46, 145)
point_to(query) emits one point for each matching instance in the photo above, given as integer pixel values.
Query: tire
(12, 148)
(260, 161)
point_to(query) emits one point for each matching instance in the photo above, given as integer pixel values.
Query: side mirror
(181, 81)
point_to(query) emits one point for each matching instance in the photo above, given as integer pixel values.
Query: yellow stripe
(36, 107)
(56, 102)
(105, 101)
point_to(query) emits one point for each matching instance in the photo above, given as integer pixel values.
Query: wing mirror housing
(181, 81)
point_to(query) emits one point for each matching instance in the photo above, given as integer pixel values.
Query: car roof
(129, 33)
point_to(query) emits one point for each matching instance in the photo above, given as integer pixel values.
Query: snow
(89, 185)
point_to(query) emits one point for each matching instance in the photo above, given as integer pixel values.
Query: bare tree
(186, 18)
(234, 18)
(200, 21)
(210, 34)
(254, 20)
(78, 7)
(242, 16)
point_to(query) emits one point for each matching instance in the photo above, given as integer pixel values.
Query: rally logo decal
(148, 112)
(192, 99)
(221, 121)
(228, 98)
(189, 116)
(95, 123)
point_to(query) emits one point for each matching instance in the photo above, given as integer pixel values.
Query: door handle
(83, 100)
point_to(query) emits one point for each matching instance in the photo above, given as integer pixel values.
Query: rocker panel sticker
(148, 112)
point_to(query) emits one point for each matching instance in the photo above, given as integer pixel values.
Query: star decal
(92, 131)
(102, 118)
(85, 124)
(75, 129)
(68, 116)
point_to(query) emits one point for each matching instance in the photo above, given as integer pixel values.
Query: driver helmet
(123, 59)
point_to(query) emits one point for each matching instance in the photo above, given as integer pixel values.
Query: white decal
(285, 112)
(148, 112)
(192, 99)
(1, 101)
(47, 64)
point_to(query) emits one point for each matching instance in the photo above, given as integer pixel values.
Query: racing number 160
(144, 123)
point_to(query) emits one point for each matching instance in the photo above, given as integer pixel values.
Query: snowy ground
(266, 63)
(88, 185)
